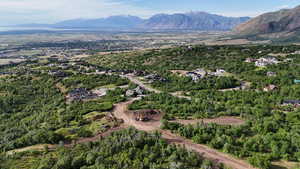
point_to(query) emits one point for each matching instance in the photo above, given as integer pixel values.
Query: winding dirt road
(206, 151)
(121, 111)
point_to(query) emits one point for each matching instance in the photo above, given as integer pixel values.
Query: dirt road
(121, 112)
(206, 151)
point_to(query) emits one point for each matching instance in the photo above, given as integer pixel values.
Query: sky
(14, 12)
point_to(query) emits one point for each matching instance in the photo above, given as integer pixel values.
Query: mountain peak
(195, 20)
(192, 21)
(285, 20)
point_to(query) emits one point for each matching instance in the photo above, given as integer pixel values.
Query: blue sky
(50, 11)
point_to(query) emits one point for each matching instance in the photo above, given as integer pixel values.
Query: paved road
(136, 81)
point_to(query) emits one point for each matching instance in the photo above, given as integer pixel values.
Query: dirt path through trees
(206, 151)
(121, 112)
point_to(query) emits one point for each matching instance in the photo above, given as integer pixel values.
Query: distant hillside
(188, 21)
(284, 23)
(124, 22)
(193, 21)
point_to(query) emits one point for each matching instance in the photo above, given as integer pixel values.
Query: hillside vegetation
(275, 25)
(127, 149)
(271, 131)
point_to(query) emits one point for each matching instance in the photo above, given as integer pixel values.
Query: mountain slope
(283, 22)
(188, 21)
(193, 21)
(110, 22)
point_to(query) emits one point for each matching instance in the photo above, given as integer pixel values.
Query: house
(263, 62)
(195, 77)
(295, 103)
(5, 73)
(125, 72)
(52, 65)
(100, 92)
(80, 94)
(139, 73)
(57, 73)
(296, 81)
(139, 90)
(220, 72)
(271, 74)
(150, 76)
(135, 92)
(155, 77)
(250, 60)
(130, 93)
(201, 72)
(297, 52)
(270, 88)
(288, 60)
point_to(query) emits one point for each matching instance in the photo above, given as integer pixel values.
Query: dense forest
(127, 149)
(230, 58)
(271, 131)
(34, 110)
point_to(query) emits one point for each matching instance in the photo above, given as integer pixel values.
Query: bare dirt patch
(61, 87)
(225, 120)
(285, 165)
(278, 54)
(181, 95)
(121, 110)
(39, 147)
(179, 72)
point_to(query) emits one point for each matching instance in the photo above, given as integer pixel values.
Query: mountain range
(193, 21)
(284, 23)
(180, 21)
